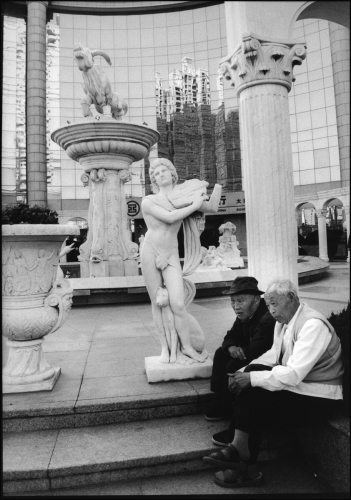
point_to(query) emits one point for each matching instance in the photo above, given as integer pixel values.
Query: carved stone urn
(34, 303)
(106, 148)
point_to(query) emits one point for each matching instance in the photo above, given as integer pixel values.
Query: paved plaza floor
(101, 348)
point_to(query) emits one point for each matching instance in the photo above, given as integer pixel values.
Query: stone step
(20, 418)
(281, 477)
(48, 460)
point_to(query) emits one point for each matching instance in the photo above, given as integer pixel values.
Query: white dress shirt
(311, 343)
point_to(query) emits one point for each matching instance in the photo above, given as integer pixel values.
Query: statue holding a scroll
(164, 213)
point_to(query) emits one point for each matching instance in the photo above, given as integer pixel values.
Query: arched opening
(336, 12)
(336, 233)
(307, 229)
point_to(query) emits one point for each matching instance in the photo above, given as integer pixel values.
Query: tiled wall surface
(312, 109)
(140, 45)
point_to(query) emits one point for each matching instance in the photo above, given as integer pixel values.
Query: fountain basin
(98, 144)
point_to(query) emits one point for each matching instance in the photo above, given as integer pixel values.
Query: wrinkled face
(279, 306)
(244, 305)
(163, 176)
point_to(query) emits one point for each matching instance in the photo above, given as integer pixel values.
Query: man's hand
(239, 382)
(236, 352)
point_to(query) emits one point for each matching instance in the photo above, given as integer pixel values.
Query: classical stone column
(261, 70)
(36, 103)
(322, 234)
(340, 54)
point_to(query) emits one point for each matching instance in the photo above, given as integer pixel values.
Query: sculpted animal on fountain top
(96, 84)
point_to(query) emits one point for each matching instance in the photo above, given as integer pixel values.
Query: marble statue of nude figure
(160, 262)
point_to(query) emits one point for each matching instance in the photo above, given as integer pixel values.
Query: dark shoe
(236, 479)
(229, 457)
(223, 438)
(217, 414)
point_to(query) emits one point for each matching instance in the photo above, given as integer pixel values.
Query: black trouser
(223, 363)
(256, 408)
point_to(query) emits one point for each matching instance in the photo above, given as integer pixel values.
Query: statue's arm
(211, 206)
(163, 215)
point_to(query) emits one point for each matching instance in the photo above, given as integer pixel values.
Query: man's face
(279, 306)
(244, 305)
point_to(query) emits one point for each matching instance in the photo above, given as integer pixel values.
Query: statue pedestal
(163, 372)
(26, 369)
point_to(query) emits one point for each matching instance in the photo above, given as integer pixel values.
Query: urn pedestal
(34, 302)
(106, 148)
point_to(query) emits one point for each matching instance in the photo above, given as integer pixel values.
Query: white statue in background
(212, 259)
(96, 84)
(228, 246)
(182, 340)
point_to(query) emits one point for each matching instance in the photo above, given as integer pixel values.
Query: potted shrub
(341, 324)
(34, 302)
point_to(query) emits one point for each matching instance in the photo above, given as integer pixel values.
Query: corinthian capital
(257, 60)
(322, 212)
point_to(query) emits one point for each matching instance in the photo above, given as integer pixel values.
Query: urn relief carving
(35, 304)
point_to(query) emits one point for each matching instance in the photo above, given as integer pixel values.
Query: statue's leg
(153, 280)
(86, 102)
(173, 279)
(167, 324)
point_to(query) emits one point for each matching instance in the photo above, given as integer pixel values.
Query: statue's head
(85, 56)
(157, 163)
(229, 226)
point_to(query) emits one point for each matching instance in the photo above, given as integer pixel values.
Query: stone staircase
(47, 449)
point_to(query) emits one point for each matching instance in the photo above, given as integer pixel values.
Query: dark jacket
(254, 336)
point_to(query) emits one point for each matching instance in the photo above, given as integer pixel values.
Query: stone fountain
(105, 146)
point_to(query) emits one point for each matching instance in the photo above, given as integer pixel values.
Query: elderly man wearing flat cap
(250, 336)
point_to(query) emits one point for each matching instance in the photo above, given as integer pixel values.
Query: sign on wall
(231, 203)
(134, 208)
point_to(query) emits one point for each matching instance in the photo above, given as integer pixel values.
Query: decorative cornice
(39, 230)
(259, 61)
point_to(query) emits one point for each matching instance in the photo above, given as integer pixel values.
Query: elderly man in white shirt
(300, 377)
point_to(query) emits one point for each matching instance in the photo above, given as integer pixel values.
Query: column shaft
(322, 235)
(270, 220)
(36, 103)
